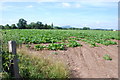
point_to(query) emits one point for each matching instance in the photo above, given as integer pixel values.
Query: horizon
(95, 15)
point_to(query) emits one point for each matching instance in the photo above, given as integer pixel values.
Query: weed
(39, 47)
(55, 53)
(31, 66)
(28, 46)
(107, 57)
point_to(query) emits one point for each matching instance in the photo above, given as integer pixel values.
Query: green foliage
(107, 57)
(6, 61)
(7, 26)
(28, 45)
(58, 40)
(56, 46)
(5, 75)
(13, 26)
(39, 68)
(86, 28)
(73, 44)
(39, 47)
(1, 27)
(52, 36)
(38, 25)
(22, 23)
(52, 25)
(56, 27)
(108, 43)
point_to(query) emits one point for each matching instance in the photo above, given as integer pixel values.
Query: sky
(79, 13)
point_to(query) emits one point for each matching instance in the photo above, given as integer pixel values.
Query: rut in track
(88, 62)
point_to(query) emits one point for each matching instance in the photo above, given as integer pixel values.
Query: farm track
(85, 61)
(104, 68)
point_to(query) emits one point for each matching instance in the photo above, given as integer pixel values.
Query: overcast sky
(79, 13)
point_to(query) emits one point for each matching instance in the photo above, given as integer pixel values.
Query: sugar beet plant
(107, 57)
(39, 47)
(37, 36)
(73, 44)
(57, 46)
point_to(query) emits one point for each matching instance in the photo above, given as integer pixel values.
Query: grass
(32, 66)
(4, 75)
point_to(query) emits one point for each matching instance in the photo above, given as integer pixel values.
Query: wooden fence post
(14, 70)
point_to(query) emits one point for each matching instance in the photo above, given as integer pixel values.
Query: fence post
(14, 70)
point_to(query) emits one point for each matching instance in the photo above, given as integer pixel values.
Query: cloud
(85, 25)
(8, 21)
(59, 0)
(100, 4)
(97, 22)
(30, 6)
(5, 7)
(66, 4)
(1, 7)
(105, 0)
(77, 5)
(71, 5)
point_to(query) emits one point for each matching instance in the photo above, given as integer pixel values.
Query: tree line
(22, 24)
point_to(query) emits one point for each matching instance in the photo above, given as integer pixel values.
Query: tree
(22, 23)
(52, 25)
(45, 26)
(57, 27)
(49, 27)
(13, 26)
(86, 28)
(1, 27)
(31, 25)
(7, 26)
(39, 25)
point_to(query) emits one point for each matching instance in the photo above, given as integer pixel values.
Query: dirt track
(87, 62)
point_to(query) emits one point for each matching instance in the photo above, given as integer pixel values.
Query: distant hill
(67, 26)
(103, 29)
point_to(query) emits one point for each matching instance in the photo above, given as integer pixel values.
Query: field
(87, 53)
(62, 36)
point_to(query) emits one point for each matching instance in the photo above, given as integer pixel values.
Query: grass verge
(37, 67)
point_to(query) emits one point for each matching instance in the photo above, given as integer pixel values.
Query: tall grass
(31, 66)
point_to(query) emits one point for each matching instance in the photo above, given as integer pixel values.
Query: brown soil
(86, 61)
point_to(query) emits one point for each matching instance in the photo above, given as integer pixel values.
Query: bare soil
(86, 61)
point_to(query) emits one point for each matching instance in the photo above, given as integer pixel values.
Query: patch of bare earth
(85, 61)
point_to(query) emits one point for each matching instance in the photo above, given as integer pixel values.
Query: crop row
(59, 46)
(35, 36)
